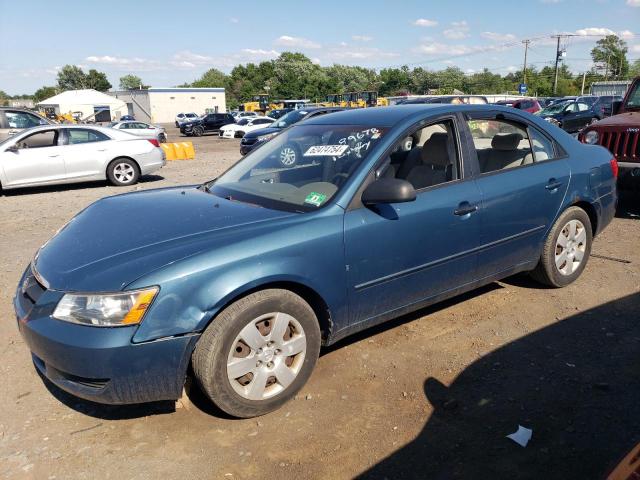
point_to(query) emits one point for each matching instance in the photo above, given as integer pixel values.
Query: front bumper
(97, 363)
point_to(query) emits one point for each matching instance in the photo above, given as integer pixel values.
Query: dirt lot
(430, 395)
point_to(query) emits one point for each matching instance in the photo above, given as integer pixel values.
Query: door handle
(52, 156)
(13, 132)
(101, 149)
(465, 209)
(553, 184)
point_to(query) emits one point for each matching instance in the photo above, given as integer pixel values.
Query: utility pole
(524, 71)
(584, 76)
(555, 80)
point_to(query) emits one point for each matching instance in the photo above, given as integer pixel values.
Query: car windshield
(634, 97)
(290, 118)
(301, 169)
(553, 109)
(243, 121)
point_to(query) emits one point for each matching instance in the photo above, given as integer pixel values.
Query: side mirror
(12, 148)
(615, 107)
(388, 190)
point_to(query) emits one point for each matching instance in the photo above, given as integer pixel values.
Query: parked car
(244, 125)
(604, 105)
(620, 134)
(241, 115)
(15, 120)
(588, 99)
(127, 118)
(526, 104)
(241, 280)
(212, 122)
(186, 117)
(290, 154)
(453, 99)
(142, 129)
(279, 112)
(571, 116)
(56, 154)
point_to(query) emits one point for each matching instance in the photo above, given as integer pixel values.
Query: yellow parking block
(179, 150)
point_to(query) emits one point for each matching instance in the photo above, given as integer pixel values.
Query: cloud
(633, 3)
(550, 1)
(635, 48)
(424, 22)
(233, 20)
(261, 52)
(125, 63)
(446, 50)
(361, 38)
(458, 30)
(595, 31)
(345, 52)
(626, 34)
(297, 42)
(498, 37)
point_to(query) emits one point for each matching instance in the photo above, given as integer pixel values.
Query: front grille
(624, 145)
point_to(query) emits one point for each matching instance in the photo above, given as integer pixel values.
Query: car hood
(631, 119)
(263, 131)
(119, 239)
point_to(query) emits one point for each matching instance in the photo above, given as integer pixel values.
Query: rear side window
(80, 135)
(542, 147)
(500, 144)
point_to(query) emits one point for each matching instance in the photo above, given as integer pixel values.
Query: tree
(97, 80)
(43, 93)
(130, 82)
(634, 70)
(610, 53)
(71, 77)
(212, 78)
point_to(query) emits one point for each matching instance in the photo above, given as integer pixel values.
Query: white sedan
(244, 125)
(54, 154)
(142, 130)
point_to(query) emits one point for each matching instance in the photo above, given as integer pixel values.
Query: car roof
(70, 126)
(390, 116)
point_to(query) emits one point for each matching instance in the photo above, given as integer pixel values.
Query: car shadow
(628, 204)
(73, 186)
(574, 383)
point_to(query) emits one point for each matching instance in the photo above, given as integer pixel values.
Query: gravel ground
(429, 395)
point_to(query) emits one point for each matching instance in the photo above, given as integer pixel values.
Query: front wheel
(566, 249)
(258, 353)
(162, 138)
(198, 131)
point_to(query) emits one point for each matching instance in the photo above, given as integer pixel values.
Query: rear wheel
(162, 138)
(198, 131)
(566, 249)
(122, 172)
(258, 353)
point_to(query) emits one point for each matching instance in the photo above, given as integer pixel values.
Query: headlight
(591, 137)
(105, 310)
(264, 138)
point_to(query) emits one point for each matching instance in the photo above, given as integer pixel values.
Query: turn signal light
(154, 142)
(614, 167)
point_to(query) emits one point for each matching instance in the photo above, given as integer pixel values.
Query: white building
(161, 105)
(86, 104)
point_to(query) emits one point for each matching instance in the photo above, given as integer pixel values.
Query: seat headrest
(435, 150)
(508, 142)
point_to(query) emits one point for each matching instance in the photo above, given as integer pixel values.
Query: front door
(38, 160)
(523, 183)
(400, 255)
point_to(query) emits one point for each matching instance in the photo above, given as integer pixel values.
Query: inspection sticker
(315, 198)
(326, 150)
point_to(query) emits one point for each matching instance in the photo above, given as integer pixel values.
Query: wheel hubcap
(123, 172)
(266, 356)
(570, 247)
(288, 156)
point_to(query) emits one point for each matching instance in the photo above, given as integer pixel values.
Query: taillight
(614, 167)
(154, 142)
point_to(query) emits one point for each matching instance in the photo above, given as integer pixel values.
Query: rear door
(522, 177)
(86, 152)
(38, 160)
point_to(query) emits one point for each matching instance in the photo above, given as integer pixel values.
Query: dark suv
(212, 122)
(289, 155)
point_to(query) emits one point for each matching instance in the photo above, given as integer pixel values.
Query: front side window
(48, 138)
(22, 120)
(80, 135)
(301, 169)
(500, 144)
(426, 158)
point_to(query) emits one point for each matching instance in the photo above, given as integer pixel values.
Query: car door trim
(471, 251)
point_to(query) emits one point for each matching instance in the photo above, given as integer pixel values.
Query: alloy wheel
(570, 247)
(287, 156)
(266, 356)
(124, 173)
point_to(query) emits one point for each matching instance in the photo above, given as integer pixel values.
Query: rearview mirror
(615, 107)
(388, 190)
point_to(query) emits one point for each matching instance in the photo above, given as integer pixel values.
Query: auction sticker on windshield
(326, 150)
(315, 198)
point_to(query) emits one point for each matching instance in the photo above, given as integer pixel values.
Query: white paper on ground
(521, 436)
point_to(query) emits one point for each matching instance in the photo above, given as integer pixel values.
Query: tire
(224, 343)
(177, 125)
(561, 265)
(197, 131)
(289, 155)
(162, 138)
(122, 172)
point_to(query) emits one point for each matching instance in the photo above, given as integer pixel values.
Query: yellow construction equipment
(260, 103)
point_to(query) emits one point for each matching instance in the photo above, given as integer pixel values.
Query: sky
(169, 43)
